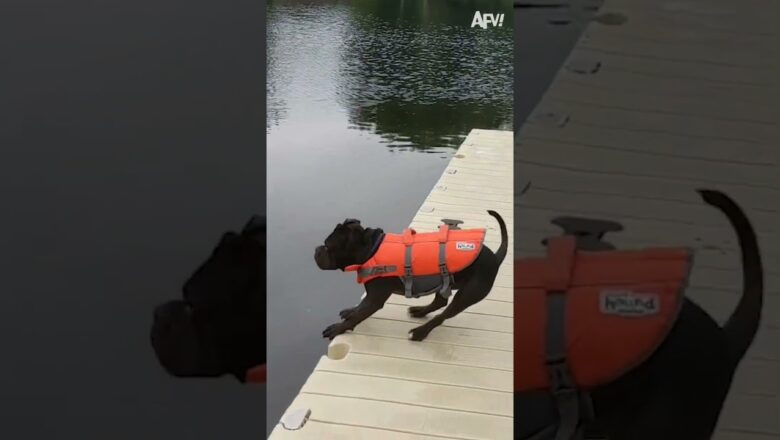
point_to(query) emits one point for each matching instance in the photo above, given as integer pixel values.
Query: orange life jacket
(425, 262)
(256, 374)
(602, 313)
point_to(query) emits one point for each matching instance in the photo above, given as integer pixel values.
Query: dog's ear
(256, 224)
(371, 234)
(350, 221)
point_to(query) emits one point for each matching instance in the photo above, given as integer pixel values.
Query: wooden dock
(682, 95)
(457, 384)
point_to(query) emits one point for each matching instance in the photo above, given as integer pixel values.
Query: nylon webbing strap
(561, 383)
(560, 255)
(408, 276)
(445, 289)
(560, 263)
(367, 272)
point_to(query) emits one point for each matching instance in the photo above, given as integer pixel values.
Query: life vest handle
(257, 374)
(408, 236)
(444, 231)
(561, 251)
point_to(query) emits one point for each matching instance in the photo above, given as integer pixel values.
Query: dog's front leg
(372, 302)
(346, 313)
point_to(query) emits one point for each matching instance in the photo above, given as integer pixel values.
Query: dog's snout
(322, 257)
(162, 312)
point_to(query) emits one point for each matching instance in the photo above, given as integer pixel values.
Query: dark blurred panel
(663, 121)
(131, 137)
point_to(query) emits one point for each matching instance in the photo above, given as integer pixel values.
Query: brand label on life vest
(465, 246)
(629, 303)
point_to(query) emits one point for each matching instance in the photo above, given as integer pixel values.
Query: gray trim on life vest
(446, 288)
(376, 270)
(563, 388)
(408, 277)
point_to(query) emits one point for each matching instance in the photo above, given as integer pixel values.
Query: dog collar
(376, 245)
(371, 253)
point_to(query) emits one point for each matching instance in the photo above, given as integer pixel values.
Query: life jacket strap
(408, 276)
(365, 272)
(560, 254)
(446, 289)
(408, 236)
(256, 374)
(560, 263)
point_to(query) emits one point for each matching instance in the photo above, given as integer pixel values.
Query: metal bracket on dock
(560, 18)
(592, 5)
(611, 19)
(583, 66)
(453, 224)
(295, 420)
(551, 119)
(588, 232)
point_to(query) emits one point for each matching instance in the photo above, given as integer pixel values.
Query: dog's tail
(501, 252)
(742, 325)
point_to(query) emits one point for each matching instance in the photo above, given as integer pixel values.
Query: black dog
(350, 244)
(219, 327)
(678, 393)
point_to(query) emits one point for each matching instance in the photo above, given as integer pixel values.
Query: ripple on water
(419, 83)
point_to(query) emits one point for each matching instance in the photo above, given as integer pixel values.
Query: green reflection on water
(413, 72)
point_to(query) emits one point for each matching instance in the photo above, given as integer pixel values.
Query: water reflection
(426, 127)
(414, 73)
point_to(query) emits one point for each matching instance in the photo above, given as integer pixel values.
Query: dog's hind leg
(420, 311)
(467, 296)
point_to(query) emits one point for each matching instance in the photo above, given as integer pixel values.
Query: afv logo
(482, 20)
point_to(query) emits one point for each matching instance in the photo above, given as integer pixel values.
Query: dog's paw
(347, 313)
(418, 334)
(333, 330)
(418, 311)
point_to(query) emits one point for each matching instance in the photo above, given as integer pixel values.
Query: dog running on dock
(412, 264)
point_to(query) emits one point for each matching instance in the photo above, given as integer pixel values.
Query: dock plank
(418, 370)
(408, 392)
(405, 419)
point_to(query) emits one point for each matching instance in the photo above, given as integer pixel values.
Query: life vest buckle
(561, 382)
